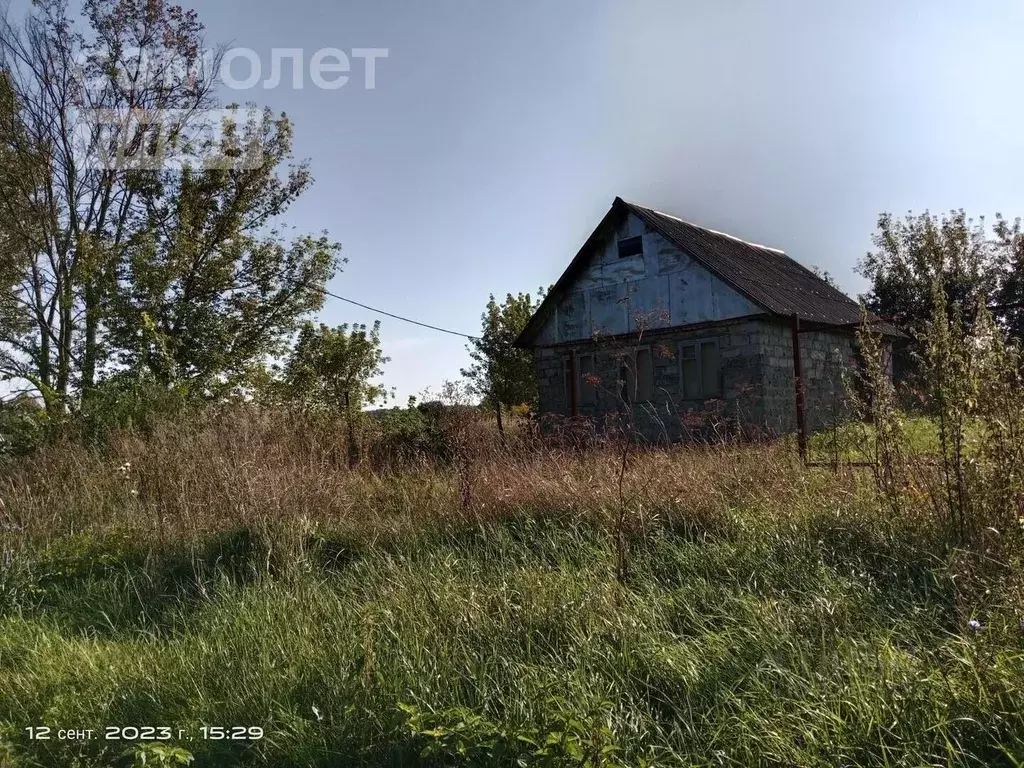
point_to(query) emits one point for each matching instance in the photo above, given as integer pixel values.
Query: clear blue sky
(500, 131)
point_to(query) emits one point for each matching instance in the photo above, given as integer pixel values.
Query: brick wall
(824, 357)
(755, 379)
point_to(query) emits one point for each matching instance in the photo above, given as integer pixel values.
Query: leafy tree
(214, 293)
(911, 253)
(501, 374)
(972, 264)
(22, 425)
(118, 261)
(21, 219)
(1009, 300)
(331, 369)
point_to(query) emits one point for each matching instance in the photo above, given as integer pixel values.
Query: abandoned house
(676, 322)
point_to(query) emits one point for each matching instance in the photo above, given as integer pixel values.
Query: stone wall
(824, 356)
(756, 380)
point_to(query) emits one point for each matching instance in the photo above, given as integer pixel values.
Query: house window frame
(637, 239)
(631, 397)
(567, 383)
(636, 365)
(697, 344)
(586, 393)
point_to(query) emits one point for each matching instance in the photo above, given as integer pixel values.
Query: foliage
(825, 275)
(212, 291)
(461, 736)
(914, 252)
(331, 368)
(409, 435)
(501, 373)
(123, 401)
(19, 217)
(1009, 300)
(127, 401)
(159, 756)
(969, 465)
(23, 423)
(131, 263)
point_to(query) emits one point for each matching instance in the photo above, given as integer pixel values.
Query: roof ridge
(705, 229)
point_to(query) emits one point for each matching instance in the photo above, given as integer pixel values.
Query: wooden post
(801, 417)
(501, 426)
(574, 407)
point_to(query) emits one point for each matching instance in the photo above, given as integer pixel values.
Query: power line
(397, 317)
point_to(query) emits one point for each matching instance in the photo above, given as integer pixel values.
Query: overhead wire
(397, 317)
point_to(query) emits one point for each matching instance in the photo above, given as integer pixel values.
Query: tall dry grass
(265, 468)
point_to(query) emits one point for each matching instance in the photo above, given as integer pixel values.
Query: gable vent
(631, 246)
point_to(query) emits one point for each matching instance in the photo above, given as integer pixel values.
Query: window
(644, 375)
(691, 371)
(709, 368)
(587, 385)
(637, 377)
(699, 365)
(567, 384)
(631, 246)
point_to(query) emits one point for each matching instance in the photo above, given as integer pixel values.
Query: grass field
(230, 575)
(852, 442)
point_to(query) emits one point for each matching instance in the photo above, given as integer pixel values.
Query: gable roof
(766, 276)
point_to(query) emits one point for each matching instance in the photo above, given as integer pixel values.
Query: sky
(499, 132)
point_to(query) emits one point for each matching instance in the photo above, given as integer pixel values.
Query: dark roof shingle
(765, 275)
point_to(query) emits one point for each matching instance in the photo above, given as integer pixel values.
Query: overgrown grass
(852, 440)
(228, 573)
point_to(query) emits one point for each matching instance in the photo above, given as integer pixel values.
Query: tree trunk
(353, 449)
(89, 350)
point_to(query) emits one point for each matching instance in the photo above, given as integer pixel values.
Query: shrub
(23, 427)
(126, 401)
(404, 436)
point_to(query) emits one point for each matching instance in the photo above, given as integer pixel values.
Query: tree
(213, 292)
(501, 374)
(137, 241)
(21, 216)
(330, 371)
(911, 253)
(1009, 300)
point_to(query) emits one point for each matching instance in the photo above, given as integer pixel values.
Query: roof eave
(536, 323)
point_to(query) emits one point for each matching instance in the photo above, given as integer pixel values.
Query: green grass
(853, 440)
(818, 644)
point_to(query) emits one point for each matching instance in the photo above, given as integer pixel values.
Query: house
(670, 319)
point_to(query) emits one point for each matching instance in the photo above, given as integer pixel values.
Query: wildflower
(974, 624)
(134, 492)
